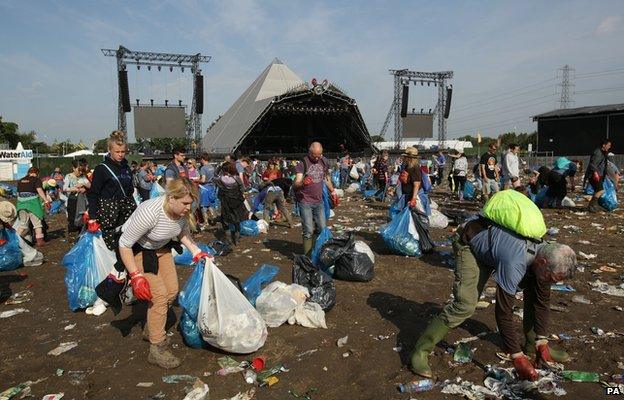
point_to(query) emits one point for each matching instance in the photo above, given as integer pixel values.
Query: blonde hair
(118, 138)
(178, 188)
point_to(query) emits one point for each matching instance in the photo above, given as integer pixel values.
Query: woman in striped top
(145, 249)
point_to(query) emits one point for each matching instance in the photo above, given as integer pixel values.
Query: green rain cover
(515, 211)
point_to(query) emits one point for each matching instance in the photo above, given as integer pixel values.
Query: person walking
(146, 179)
(176, 168)
(312, 172)
(75, 186)
(345, 167)
(145, 250)
(482, 249)
(380, 171)
(208, 191)
(460, 174)
(231, 194)
(31, 204)
(597, 172)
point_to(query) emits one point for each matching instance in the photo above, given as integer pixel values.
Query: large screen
(159, 122)
(418, 126)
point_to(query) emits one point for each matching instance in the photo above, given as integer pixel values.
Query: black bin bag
(319, 284)
(352, 259)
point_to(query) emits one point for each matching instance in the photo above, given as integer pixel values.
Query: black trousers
(71, 213)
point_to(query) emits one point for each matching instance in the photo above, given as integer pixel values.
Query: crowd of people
(117, 199)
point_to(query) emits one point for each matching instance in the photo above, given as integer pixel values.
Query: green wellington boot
(424, 346)
(559, 356)
(307, 246)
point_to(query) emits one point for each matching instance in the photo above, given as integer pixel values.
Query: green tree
(8, 133)
(101, 146)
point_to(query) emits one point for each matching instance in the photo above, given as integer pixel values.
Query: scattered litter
(382, 337)
(230, 366)
(398, 348)
(62, 348)
(60, 372)
(586, 242)
(618, 308)
(463, 353)
(467, 340)
(70, 327)
(606, 268)
(552, 231)
(555, 307)
(250, 376)
(560, 287)
(76, 377)
(580, 299)
(10, 313)
(157, 396)
(580, 376)
(178, 378)
(199, 392)
(20, 297)
(422, 385)
(564, 336)
(307, 395)
(248, 395)
(305, 353)
(347, 354)
(342, 341)
(572, 228)
(55, 396)
(605, 288)
(587, 256)
(597, 331)
(482, 304)
(145, 384)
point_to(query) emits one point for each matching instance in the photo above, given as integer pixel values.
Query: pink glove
(201, 255)
(524, 368)
(93, 226)
(412, 203)
(308, 181)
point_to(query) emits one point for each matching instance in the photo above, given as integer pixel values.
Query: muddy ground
(386, 313)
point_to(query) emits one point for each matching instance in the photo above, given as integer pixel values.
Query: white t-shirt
(150, 226)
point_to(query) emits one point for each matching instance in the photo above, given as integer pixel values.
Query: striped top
(150, 226)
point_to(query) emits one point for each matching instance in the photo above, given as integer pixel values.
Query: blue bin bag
(186, 258)
(424, 200)
(160, 170)
(426, 182)
(10, 252)
(249, 228)
(257, 203)
(322, 238)
(608, 200)
(399, 237)
(207, 195)
(82, 275)
(589, 189)
(396, 207)
(335, 176)
(469, 191)
(539, 198)
(369, 193)
(189, 301)
(156, 190)
(326, 202)
(55, 207)
(252, 287)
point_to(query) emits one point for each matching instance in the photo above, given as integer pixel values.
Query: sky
(504, 55)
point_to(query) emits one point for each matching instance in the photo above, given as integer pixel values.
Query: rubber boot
(307, 246)
(559, 356)
(160, 355)
(424, 346)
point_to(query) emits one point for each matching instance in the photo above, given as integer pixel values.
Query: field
(382, 319)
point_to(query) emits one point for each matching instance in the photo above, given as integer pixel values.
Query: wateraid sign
(16, 155)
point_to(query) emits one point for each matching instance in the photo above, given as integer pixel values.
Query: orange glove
(3, 242)
(524, 368)
(47, 205)
(93, 226)
(85, 217)
(201, 255)
(335, 199)
(140, 286)
(595, 177)
(412, 203)
(308, 181)
(543, 354)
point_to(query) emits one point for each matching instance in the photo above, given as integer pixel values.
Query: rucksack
(516, 212)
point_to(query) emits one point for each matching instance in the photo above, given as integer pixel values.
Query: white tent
(275, 80)
(79, 153)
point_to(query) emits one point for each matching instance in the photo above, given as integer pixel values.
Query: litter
(278, 301)
(248, 395)
(597, 331)
(178, 378)
(265, 376)
(422, 385)
(54, 396)
(307, 395)
(20, 297)
(62, 348)
(305, 353)
(10, 313)
(580, 376)
(580, 299)
(69, 327)
(586, 242)
(160, 395)
(605, 288)
(482, 305)
(199, 392)
(564, 336)
(342, 341)
(559, 287)
(145, 384)
(250, 376)
(552, 231)
(463, 353)
(309, 315)
(587, 256)
(230, 366)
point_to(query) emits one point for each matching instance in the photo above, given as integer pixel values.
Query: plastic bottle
(580, 376)
(416, 386)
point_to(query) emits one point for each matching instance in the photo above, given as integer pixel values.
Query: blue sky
(504, 55)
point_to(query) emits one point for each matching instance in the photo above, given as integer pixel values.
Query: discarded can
(264, 375)
(597, 331)
(416, 386)
(250, 376)
(580, 376)
(564, 336)
(258, 363)
(271, 380)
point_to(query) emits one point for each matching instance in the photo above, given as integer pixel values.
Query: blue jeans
(311, 214)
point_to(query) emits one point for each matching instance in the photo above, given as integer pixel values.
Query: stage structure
(160, 60)
(398, 108)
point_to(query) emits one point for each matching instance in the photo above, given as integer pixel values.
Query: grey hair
(561, 258)
(316, 144)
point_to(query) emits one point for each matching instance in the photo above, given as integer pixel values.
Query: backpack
(516, 212)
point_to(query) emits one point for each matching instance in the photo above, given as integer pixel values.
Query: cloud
(608, 25)
(33, 90)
